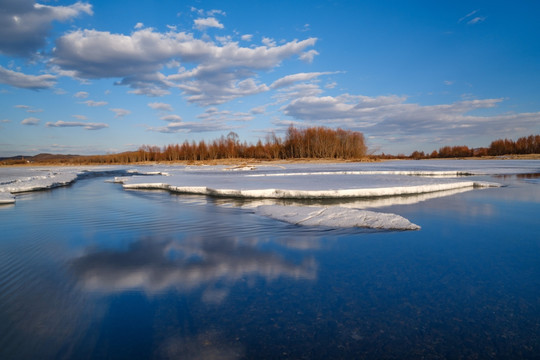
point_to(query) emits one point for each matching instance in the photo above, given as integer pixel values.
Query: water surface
(93, 271)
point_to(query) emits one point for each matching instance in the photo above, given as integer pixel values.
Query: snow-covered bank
(335, 216)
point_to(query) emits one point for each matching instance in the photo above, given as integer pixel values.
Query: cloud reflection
(155, 266)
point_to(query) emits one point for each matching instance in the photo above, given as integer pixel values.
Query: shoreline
(247, 162)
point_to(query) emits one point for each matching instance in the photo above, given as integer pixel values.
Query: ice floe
(335, 217)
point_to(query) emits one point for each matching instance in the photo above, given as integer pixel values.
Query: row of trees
(312, 142)
(524, 145)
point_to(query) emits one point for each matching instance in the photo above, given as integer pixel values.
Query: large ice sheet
(335, 217)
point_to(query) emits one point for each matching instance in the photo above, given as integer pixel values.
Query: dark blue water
(92, 271)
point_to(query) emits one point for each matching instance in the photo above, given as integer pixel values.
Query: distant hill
(43, 157)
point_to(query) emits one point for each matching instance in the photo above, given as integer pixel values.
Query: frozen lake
(210, 268)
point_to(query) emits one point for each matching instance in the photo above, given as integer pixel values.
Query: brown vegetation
(524, 145)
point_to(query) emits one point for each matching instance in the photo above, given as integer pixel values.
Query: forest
(306, 143)
(524, 145)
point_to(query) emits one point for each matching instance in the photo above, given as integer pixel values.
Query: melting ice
(353, 186)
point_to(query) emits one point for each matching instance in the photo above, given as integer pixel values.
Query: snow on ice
(353, 186)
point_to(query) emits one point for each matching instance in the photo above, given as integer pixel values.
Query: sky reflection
(155, 266)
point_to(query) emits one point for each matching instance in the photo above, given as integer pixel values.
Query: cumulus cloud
(209, 22)
(172, 118)
(247, 37)
(221, 73)
(85, 125)
(80, 117)
(93, 103)
(160, 106)
(120, 112)
(23, 81)
(229, 73)
(268, 42)
(30, 121)
(81, 95)
(26, 24)
(308, 56)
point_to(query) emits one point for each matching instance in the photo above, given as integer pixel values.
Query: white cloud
(85, 125)
(268, 42)
(308, 56)
(30, 121)
(81, 95)
(80, 117)
(23, 81)
(93, 103)
(172, 118)
(331, 85)
(26, 24)
(139, 25)
(247, 37)
(221, 73)
(209, 22)
(290, 79)
(215, 12)
(295, 91)
(160, 106)
(120, 112)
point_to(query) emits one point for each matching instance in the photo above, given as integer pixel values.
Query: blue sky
(108, 76)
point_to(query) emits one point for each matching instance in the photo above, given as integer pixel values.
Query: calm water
(95, 272)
